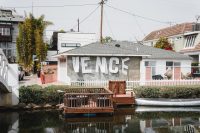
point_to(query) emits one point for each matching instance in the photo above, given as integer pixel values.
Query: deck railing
(133, 84)
(86, 98)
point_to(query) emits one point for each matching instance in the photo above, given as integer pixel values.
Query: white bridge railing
(4, 69)
(133, 84)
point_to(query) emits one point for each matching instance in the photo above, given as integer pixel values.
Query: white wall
(75, 37)
(13, 82)
(62, 72)
(186, 66)
(50, 54)
(179, 44)
(142, 70)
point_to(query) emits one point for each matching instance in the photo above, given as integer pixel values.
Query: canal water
(123, 121)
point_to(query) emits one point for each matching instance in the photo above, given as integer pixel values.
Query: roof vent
(117, 45)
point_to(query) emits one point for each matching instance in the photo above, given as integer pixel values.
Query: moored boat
(168, 102)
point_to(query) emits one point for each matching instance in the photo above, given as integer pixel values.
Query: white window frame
(190, 41)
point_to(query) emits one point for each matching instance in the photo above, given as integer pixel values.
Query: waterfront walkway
(33, 79)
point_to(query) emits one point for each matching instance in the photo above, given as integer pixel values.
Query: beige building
(185, 38)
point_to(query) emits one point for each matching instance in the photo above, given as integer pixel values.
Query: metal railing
(4, 70)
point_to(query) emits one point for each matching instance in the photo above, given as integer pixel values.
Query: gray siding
(133, 71)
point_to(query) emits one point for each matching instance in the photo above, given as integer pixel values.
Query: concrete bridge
(9, 84)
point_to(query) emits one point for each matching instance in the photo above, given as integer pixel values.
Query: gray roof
(125, 49)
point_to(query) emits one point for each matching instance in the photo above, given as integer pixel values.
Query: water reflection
(121, 122)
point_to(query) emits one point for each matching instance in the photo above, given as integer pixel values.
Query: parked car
(21, 73)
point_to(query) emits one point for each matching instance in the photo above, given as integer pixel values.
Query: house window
(190, 41)
(3, 45)
(170, 69)
(169, 63)
(177, 64)
(151, 64)
(70, 44)
(5, 31)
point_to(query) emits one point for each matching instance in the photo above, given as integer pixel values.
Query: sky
(129, 20)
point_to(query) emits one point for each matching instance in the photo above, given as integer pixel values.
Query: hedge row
(173, 92)
(38, 95)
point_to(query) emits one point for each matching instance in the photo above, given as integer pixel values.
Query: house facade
(119, 61)
(185, 38)
(64, 41)
(9, 21)
(192, 46)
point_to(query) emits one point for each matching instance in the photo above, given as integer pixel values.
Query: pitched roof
(110, 49)
(124, 49)
(169, 31)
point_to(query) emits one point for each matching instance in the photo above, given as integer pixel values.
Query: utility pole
(101, 23)
(78, 24)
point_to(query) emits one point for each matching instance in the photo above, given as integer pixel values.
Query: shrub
(30, 94)
(168, 92)
(38, 95)
(147, 92)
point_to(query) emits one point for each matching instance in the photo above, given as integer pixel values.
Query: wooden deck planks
(123, 99)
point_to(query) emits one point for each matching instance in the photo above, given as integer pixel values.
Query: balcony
(5, 38)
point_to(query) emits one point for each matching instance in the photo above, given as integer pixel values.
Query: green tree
(30, 41)
(107, 39)
(163, 43)
(24, 49)
(41, 47)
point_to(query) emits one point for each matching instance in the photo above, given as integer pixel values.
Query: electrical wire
(53, 6)
(132, 14)
(86, 17)
(139, 27)
(109, 25)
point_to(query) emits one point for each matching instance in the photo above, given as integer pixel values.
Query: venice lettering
(102, 65)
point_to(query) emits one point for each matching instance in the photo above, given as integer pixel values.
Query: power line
(49, 6)
(139, 27)
(86, 17)
(132, 14)
(109, 24)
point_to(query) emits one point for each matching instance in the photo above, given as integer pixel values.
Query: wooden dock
(120, 96)
(94, 100)
(88, 100)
